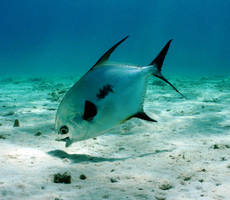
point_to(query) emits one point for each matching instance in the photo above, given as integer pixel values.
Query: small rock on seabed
(62, 178)
(16, 123)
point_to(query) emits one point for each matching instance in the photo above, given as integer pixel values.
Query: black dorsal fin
(107, 54)
(90, 111)
(141, 115)
(159, 60)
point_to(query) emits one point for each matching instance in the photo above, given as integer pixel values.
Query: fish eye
(64, 130)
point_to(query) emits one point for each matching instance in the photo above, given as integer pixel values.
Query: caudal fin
(158, 62)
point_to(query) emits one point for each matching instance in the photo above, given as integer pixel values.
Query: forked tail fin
(158, 62)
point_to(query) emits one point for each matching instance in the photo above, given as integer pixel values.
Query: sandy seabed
(184, 156)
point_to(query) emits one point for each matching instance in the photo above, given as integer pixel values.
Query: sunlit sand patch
(185, 155)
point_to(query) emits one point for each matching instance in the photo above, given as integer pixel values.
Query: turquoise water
(68, 36)
(47, 45)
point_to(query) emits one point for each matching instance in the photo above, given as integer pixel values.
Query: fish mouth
(67, 141)
(63, 139)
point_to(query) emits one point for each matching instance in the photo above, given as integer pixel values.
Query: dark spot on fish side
(104, 91)
(90, 111)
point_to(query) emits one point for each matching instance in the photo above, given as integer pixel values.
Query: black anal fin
(143, 116)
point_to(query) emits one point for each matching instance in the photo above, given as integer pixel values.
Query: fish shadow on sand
(79, 158)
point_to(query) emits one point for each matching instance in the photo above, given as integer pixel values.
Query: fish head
(70, 127)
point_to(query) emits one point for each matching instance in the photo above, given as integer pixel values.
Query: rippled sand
(186, 155)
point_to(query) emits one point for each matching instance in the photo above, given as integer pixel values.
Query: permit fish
(106, 96)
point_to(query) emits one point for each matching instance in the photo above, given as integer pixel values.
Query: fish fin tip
(159, 60)
(158, 63)
(107, 54)
(160, 76)
(142, 115)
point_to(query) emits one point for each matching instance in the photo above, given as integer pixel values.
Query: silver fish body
(125, 98)
(106, 96)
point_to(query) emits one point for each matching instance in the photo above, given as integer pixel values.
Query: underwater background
(47, 45)
(68, 36)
